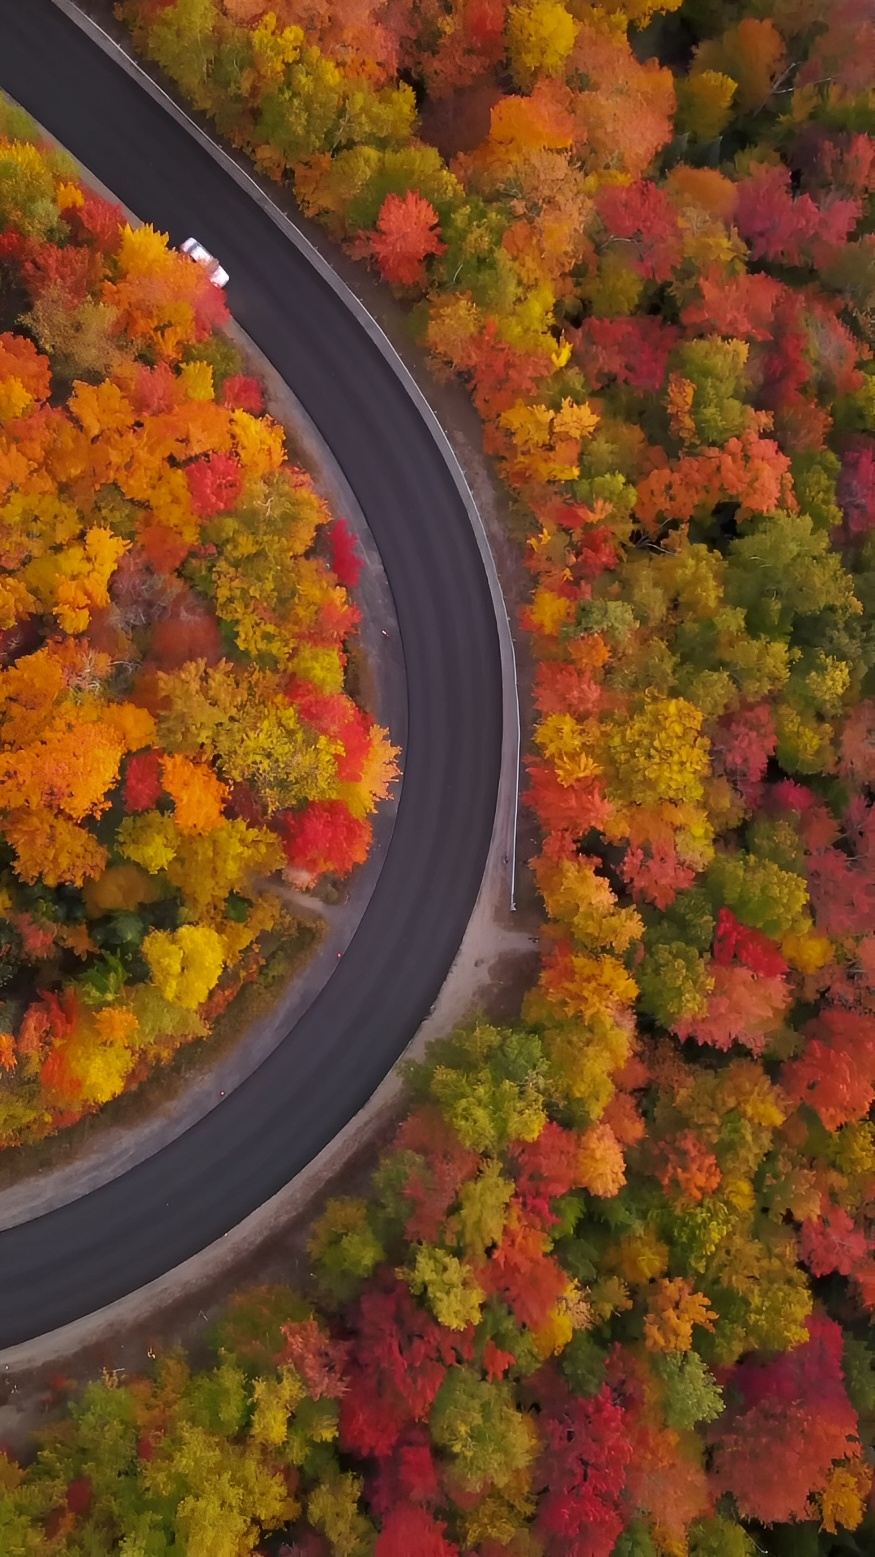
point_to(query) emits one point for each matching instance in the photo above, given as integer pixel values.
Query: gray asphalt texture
(61, 1266)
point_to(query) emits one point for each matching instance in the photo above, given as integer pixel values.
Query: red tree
(400, 1360)
(215, 483)
(405, 235)
(835, 1074)
(243, 393)
(775, 1446)
(583, 1471)
(325, 836)
(408, 1529)
(142, 785)
(345, 559)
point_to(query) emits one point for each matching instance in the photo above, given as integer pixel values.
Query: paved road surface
(99, 1248)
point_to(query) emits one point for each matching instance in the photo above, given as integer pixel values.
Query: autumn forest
(175, 728)
(610, 1288)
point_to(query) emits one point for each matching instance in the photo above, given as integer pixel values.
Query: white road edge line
(511, 711)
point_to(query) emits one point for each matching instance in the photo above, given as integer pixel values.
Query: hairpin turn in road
(106, 1244)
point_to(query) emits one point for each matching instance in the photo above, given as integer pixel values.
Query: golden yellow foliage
(540, 36)
(151, 840)
(186, 964)
(544, 445)
(705, 103)
(843, 1500)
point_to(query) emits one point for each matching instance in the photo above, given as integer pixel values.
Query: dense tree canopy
(174, 727)
(610, 1291)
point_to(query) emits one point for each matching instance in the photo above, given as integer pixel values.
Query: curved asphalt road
(74, 1260)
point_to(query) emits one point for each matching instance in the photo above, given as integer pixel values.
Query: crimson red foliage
(632, 351)
(80, 1495)
(408, 1475)
(12, 245)
(345, 559)
(70, 271)
(400, 1359)
(656, 874)
(586, 1452)
(243, 803)
(856, 487)
(547, 1167)
(642, 215)
(842, 890)
(97, 221)
(788, 229)
(756, 951)
(336, 715)
(787, 1421)
(142, 785)
(741, 305)
(835, 1074)
(243, 393)
(214, 483)
(832, 1243)
(742, 744)
(324, 837)
(409, 1529)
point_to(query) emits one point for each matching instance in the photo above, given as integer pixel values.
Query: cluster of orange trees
(610, 1292)
(174, 729)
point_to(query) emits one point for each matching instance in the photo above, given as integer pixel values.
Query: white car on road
(196, 251)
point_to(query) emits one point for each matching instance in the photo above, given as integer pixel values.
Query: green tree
(479, 1426)
(344, 1248)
